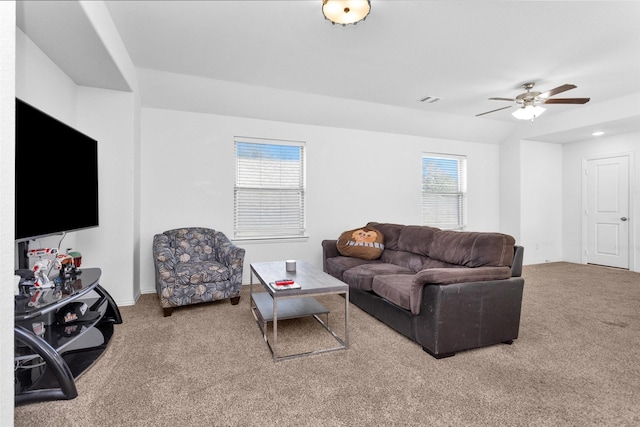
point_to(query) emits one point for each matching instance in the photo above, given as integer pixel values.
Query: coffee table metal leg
(346, 319)
(275, 329)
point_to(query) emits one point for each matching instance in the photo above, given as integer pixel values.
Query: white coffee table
(274, 305)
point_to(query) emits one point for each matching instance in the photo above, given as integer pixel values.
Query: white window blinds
(270, 189)
(444, 191)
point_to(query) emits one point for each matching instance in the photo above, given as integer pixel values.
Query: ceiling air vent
(430, 99)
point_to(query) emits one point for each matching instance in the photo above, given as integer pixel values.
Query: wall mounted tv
(56, 176)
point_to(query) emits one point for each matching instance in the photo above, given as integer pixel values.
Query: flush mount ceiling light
(345, 12)
(528, 112)
(598, 133)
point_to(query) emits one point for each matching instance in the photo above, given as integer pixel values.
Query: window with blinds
(269, 191)
(444, 191)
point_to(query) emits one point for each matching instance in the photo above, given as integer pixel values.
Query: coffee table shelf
(287, 309)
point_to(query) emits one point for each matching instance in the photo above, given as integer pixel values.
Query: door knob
(624, 218)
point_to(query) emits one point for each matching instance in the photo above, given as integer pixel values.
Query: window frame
(267, 190)
(460, 193)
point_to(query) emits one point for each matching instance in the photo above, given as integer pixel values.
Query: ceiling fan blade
(493, 111)
(566, 101)
(502, 99)
(557, 90)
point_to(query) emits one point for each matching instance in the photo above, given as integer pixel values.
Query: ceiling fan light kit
(530, 102)
(528, 112)
(346, 12)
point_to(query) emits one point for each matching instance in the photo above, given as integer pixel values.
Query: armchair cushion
(201, 272)
(194, 245)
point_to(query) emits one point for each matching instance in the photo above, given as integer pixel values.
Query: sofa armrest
(329, 250)
(449, 276)
(469, 315)
(516, 267)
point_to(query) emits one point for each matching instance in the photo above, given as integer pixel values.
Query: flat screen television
(56, 187)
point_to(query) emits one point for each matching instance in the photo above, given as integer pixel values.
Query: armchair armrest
(232, 256)
(164, 262)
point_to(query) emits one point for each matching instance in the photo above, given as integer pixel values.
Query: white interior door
(608, 211)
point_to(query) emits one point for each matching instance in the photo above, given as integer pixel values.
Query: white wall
(510, 173)
(572, 178)
(336, 156)
(541, 201)
(351, 173)
(541, 194)
(111, 118)
(7, 194)
(108, 116)
(188, 172)
(185, 167)
(42, 84)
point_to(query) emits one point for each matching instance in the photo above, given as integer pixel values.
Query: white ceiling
(460, 51)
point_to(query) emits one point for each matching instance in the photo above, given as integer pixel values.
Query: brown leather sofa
(446, 290)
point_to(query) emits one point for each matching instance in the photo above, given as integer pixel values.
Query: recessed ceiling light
(598, 133)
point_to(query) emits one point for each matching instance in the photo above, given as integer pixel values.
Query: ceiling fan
(529, 103)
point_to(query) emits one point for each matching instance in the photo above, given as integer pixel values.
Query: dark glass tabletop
(33, 302)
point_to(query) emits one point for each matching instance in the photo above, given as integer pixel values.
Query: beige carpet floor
(575, 363)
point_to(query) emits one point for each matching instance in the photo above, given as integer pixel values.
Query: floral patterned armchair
(194, 265)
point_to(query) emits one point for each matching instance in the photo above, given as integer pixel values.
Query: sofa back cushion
(416, 239)
(410, 238)
(472, 249)
(405, 245)
(404, 259)
(391, 233)
(418, 247)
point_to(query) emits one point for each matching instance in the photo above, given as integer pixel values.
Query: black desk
(49, 356)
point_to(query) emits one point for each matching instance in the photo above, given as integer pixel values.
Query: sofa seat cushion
(201, 272)
(395, 288)
(336, 266)
(361, 277)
